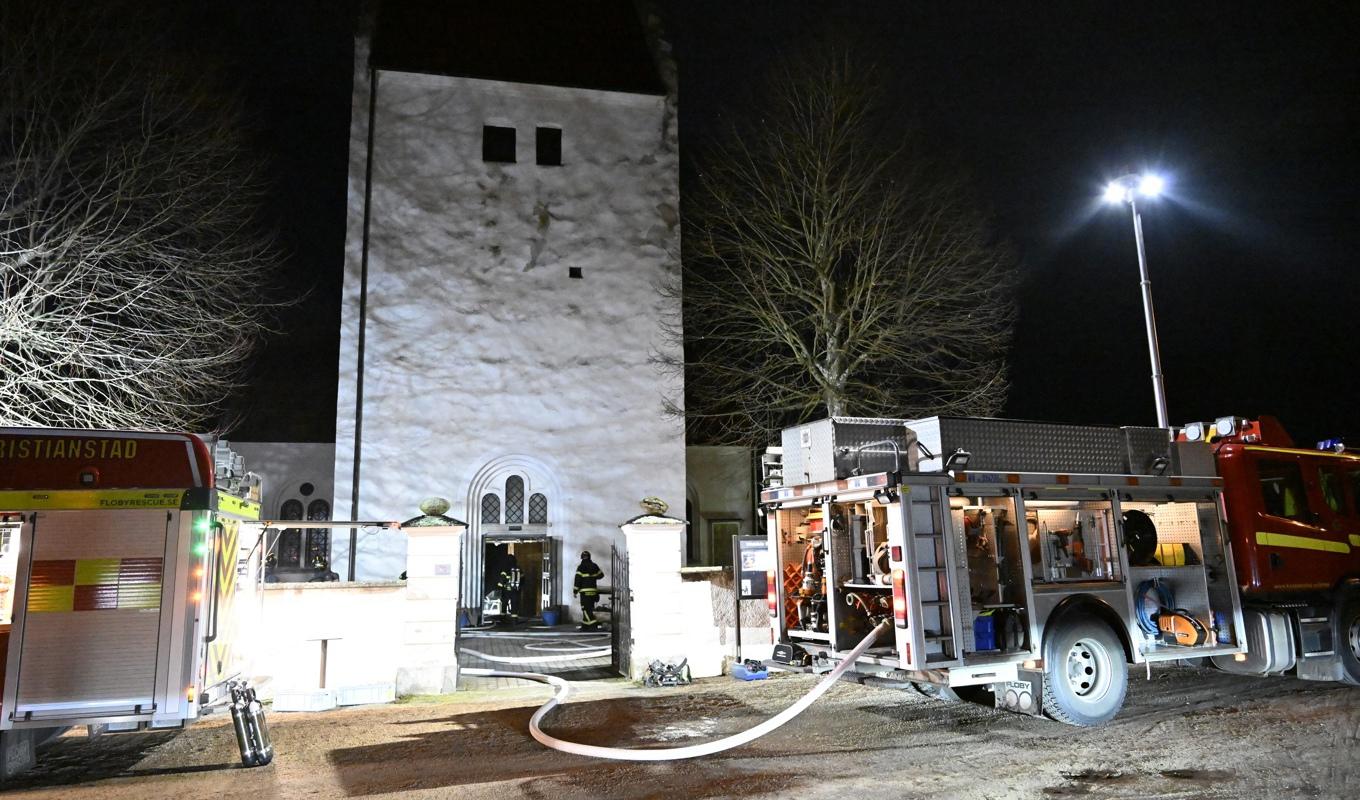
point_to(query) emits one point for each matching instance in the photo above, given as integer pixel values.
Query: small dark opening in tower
(498, 144)
(548, 146)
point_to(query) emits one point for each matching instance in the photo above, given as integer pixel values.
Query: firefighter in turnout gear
(505, 570)
(587, 574)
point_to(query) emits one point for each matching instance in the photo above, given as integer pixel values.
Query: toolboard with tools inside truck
(125, 578)
(997, 551)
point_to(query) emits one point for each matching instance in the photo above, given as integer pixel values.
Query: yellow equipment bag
(1175, 555)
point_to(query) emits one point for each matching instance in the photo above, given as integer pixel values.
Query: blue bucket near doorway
(550, 617)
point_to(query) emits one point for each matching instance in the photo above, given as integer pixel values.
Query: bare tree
(829, 274)
(130, 262)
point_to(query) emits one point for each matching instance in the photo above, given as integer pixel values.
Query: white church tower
(513, 209)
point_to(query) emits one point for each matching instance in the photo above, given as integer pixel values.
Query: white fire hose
(673, 753)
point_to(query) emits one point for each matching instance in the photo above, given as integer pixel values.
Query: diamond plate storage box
(1002, 445)
(1143, 446)
(829, 449)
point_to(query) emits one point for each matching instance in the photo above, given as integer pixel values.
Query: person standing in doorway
(504, 570)
(588, 573)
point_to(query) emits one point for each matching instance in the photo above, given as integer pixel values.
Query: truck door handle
(216, 572)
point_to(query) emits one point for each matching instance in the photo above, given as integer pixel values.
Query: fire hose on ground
(563, 691)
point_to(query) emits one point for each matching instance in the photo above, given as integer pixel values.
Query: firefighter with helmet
(587, 574)
(505, 570)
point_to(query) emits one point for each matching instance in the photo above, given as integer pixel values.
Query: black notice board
(752, 559)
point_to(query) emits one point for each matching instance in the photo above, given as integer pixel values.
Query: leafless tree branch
(827, 273)
(130, 262)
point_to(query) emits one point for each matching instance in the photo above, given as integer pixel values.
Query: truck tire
(1346, 634)
(1085, 676)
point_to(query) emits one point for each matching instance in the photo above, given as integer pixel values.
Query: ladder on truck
(936, 636)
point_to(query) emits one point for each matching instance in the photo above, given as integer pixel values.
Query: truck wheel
(1346, 635)
(1085, 676)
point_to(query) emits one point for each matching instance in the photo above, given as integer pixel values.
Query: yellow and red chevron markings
(95, 584)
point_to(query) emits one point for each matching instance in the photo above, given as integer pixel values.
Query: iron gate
(620, 628)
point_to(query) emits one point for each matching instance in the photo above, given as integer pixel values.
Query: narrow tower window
(548, 146)
(498, 144)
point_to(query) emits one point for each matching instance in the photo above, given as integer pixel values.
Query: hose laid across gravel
(563, 691)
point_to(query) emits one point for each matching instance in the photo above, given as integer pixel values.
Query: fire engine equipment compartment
(997, 576)
(988, 532)
(1186, 557)
(834, 567)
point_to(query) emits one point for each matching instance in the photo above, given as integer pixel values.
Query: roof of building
(590, 44)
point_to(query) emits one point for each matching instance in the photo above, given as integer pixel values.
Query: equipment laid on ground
(661, 673)
(791, 655)
(131, 581)
(750, 670)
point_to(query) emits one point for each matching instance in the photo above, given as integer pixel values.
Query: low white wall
(403, 633)
(367, 620)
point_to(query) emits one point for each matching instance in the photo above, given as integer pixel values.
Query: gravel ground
(1184, 734)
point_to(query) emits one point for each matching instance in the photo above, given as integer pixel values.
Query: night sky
(1248, 112)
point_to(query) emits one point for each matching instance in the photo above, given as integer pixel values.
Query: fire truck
(1026, 561)
(124, 577)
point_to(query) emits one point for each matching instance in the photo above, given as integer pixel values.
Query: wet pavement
(531, 647)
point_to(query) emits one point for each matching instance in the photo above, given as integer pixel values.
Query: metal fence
(621, 634)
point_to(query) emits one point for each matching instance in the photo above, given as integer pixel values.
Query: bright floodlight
(1151, 185)
(1115, 192)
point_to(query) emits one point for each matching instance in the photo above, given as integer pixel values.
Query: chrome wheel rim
(1088, 670)
(1353, 635)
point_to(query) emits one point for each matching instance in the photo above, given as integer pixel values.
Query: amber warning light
(899, 586)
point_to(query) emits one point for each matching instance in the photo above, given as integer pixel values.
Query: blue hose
(1146, 607)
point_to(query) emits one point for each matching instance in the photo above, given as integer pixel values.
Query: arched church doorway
(513, 551)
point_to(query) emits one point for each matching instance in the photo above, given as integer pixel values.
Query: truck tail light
(771, 599)
(899, 586)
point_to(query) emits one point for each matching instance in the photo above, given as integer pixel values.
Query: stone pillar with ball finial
(669, 618)
(430, 638)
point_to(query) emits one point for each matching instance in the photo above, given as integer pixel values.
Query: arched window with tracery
(491, 508)
(514, 500)
(538, 509)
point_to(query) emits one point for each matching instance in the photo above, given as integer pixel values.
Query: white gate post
(669, 617)
(655, 548)
(430, 657)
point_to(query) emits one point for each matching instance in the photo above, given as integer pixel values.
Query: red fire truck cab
(1294, 520)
